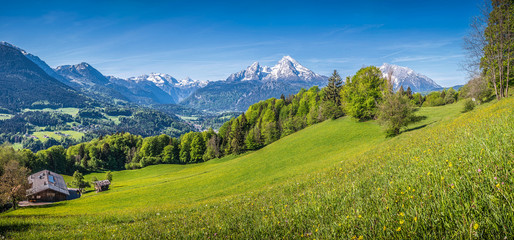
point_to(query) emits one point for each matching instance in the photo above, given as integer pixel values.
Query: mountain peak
(4, 43)
(406, 77)
(81, 74)
(288, 58)
(287, 69)
(159, 79)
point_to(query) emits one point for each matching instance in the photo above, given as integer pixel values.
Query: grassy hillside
(449, 176)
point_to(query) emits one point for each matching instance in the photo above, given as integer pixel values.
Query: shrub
(468, 105)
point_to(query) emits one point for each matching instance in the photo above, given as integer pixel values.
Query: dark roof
(102, 183)
(44, 180)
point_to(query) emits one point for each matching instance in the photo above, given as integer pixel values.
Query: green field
(4, 116)
(449, 176)
(74, 134)
(115, 119)
(188, 118)
(71, 111)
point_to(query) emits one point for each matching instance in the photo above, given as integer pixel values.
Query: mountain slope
(90, 81)
(406, 77)
(35, 59)
(254, 84)
(320, 182)
(25, 83)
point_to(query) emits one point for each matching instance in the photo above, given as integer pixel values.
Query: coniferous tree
(409, 93)
(401, 91)
(333, 88)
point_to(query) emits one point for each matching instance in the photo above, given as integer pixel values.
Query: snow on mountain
(188, 82)
(177, 90)
(159, 79)
(253, 72)
(82, 74)
(287, 69)
(406, 77)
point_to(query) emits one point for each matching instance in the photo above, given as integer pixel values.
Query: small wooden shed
(102, 185)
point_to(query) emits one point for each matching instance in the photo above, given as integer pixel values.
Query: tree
(401, 91)
(13, 183)
(409, 93)
(490, 46)
(362, 93)
(478, 89)
(197, 148)
(450, 96)
(79, 182)
(93, 180)
(333, 89)
(108, 176)
(499, 46)
(395, 112)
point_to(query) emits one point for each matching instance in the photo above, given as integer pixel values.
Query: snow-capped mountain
(254, 84)
(177, 90)
(81, 74)
(253, 73)
(159, 79)
(406, 77)
(188, 82)
(287, 69)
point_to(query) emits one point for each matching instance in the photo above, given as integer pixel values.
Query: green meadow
(41, 134)
(449, 175)
(71, 111)
(4, 116)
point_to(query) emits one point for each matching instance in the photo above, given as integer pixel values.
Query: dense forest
(93, 122)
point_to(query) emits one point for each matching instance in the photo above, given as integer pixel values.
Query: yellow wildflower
(475, 226)
(399, 229)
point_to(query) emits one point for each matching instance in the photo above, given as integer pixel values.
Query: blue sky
(209, 40)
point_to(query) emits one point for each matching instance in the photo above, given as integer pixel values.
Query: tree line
(490, 50)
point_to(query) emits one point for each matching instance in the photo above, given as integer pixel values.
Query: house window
(51, 179)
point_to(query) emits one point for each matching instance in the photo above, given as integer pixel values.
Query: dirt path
(27, 203)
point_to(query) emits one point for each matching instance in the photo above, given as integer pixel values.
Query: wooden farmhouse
(102, 185)
(47, 186)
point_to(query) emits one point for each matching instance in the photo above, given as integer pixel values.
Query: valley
(281, 190)
(269, 120)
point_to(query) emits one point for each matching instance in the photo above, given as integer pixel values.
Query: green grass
(338, 179)
(188, 118)
(4, 116)
(115, 119)
(71, 111)
(41, 134)
(17, 146)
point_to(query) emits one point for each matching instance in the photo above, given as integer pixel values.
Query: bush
(395, 112)
(468, 105)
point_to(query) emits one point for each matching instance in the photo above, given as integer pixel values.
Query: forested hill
(25, 84)
(263, 123)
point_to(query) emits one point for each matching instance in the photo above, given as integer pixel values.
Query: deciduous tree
(13, 183)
